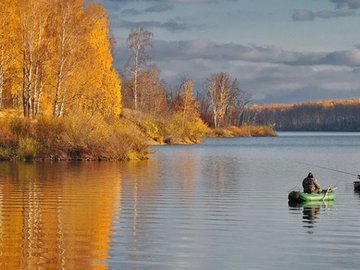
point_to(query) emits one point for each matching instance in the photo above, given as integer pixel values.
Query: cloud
(161, 7)
(209, 50)
(268, 74)
(352, 4)
(308, 15)
(274, 83)
(170, 25)
(303, 15)
(131, 12)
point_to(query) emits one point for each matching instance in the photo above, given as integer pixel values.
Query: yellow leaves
(60, 50)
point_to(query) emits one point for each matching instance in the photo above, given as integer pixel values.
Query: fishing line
(330, 169)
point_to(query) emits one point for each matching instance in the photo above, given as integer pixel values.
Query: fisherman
(310, 184)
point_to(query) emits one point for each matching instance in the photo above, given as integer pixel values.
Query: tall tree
(151, 91)
(33, 19)
(69, 19)
(220, 88)
(100, 88)
(225, 100)
(186, 103)
(138, 42)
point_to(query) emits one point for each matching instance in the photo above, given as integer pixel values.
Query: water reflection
(56, 215)
(310, 211)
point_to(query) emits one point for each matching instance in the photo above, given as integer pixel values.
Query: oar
(327, 191)
(323, 199)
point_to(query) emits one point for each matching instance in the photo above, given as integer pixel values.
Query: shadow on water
(311, 212)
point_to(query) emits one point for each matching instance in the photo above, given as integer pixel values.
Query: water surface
(219, 205)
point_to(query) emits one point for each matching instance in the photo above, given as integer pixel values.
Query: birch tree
(68, 37)
(33, 17)
(138, 42)
(224, 96)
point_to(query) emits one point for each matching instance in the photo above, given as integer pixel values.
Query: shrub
(262, 131)
(243, 131)
(49, 134)
(152, 130)
(7, 137)
(27, 148)
(220, 133)
(20, 126)
(83, 135)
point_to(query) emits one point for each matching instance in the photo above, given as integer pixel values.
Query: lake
(219, 205)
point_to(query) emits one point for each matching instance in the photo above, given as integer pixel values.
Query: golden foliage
(82, 135)
(245, 130)
(56, 56)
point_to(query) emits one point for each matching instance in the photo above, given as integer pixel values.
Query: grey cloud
(203, 49)
(268, 74)
(283, 84)
(352, 4)
(161, 7)
(327, 14)
(170, 25)
(271, 83)
(303, 15)
(131, 12)
(308, 15)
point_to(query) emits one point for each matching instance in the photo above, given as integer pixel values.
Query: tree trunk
(1, 86)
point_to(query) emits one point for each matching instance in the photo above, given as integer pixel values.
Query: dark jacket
(311, 185)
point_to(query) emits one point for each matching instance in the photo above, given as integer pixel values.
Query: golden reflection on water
(57, 215)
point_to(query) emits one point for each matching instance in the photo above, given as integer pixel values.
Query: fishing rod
(330, 169)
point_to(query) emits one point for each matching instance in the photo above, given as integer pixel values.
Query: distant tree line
(340, 115)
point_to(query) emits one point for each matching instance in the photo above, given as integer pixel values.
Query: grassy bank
(89, 136)
(246, 130)
(83, 136)
(169, 129)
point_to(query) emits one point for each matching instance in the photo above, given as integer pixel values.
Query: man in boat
(310, 184)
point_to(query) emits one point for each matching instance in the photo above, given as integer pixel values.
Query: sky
(281, 51)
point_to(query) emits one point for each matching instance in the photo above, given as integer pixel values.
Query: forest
(61, 97)
(330, 115)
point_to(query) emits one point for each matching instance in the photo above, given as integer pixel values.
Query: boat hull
(357, 185)
(297, 196)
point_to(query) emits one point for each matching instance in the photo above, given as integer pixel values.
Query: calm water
(219, 205)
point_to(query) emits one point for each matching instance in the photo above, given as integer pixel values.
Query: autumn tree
(151, 91)
(69, 40)
(186, 103)
(224, 97)
(92, 83)
(9, 42)
(138, 42)
(55, 56)
(33, 50)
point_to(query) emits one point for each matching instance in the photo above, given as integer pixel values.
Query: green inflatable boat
(325, 195)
